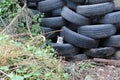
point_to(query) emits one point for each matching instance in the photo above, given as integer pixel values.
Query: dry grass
(7, 51)
(35, 59)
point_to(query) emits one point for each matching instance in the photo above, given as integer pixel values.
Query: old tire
(100, 52)
(113, 41)
(48, 5)
(97, 31)
(73, 17)
(78, 39)
(66, 50)
(95, 9)
(98, 1)
(53, 22)
(111, 18)
(57, 12)
(71, 4)
(79, 1)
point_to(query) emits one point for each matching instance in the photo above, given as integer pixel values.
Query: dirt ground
(89, 70)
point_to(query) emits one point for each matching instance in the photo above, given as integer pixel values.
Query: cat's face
(59, 39)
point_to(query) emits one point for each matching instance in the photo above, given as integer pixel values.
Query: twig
(19, 35)
(38, 37)
(4, 73)
(108, 61)
(29, 28)
(14, 19)
(51, 32)
(16, 68)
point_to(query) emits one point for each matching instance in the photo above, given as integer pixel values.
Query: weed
(85, 66)
(29, 62)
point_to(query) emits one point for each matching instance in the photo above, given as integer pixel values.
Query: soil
(89, 70)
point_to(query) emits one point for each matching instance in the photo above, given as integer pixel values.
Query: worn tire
(53, 22)
(111, 18)
(32, 4)
(79, 1)
(98, 1)
(95, 9)
(113, 41)
(80, 57)
(48, 5)
(73, 17)
(100, 52)
(57, 12)
(73, 27)
(97, 31)
(71, 4)
(65, 49)
(78, 39)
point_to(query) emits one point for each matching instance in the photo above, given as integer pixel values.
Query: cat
(59, 40)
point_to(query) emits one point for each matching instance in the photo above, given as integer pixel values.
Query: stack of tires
(90, 28)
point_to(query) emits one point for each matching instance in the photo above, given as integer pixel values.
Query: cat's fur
(59, 40)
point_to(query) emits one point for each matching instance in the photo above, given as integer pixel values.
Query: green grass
(19, 62)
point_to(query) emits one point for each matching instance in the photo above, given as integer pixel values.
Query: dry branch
(108, 61)
(19, 35)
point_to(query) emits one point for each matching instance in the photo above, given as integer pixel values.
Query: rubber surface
(48, 5)
(98, 1)
(71, 4)
(79, 1)
(65, 49)
(111, 18)
(100, 52)
(73, 17)
(97, 31)
(80, 57)
(78, 39)
(57, 12)
(113, 41)
(53, 22)
(95, 9)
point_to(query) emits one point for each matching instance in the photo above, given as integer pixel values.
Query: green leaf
(65, 75)
(39, 52)
(21, 25)
(15, 77)
(88, 77)
(4, 68)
